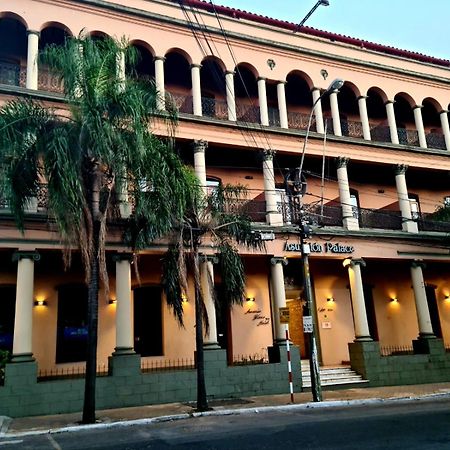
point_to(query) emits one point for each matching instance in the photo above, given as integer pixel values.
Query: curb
(5, 421)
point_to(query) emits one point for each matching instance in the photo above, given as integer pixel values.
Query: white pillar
(282, 108)
(273, 217)
(445, 128)
(120, 67)
(124, 329)
(362, 332)
(419, 125)
(335, 113)
(207, 284)
(364, 117)
(23, 321)
(159, 82)
(420, 297)
(196, 89)
(200, 147)
(32, 59)
(403, 200)
(318, 110)
(279, 296)
(231, 98)
(262, 96)
(349, 221)
(391, 120)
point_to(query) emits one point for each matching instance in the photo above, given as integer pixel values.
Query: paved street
(412, 425)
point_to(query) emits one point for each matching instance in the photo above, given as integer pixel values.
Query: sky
(417, 25)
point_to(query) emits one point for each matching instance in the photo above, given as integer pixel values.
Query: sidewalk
(176, 411)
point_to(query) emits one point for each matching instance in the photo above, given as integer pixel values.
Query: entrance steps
(336, 377)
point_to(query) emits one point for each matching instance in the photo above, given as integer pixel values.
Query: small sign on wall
(284, 315)
(307, 324)
(326, 325)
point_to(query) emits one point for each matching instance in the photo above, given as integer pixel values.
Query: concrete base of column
(118, 351)
(23, 373)
(425, 346)
(22, 358)
(410, 226)
(351, 223)
(124, 364)
(363, 339)
(274, 219)
(211, 346)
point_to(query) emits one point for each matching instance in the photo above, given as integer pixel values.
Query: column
(23, 321)
(420, 297)
(362, 104)
(445, 128)
(391, 120)
(318, 110)
(262, 96)
(349, 221)
(200, 147)
(279, 296)
(231, 98)
(419, 125)
(273, 217)
(120, 67)
(357, 293)
(32, 59)
(408, 223)
(335, 113)
(159, 82)
(124, 313)
(282, 108)
(196, 89)
(207, 284)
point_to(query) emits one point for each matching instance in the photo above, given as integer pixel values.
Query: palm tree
(219, 219)
(92, 153)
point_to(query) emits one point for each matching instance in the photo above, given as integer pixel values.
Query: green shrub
(5, 357)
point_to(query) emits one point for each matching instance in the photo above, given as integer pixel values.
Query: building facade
(249, 92)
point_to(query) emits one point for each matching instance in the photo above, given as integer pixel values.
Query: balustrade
(246, 112)
(212, 107)
(408, 137)
(49, 81)
(436, 140)
(299, 121)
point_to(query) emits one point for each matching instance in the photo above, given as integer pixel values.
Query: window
(212, 184)
(8, 310)
(71, 339)
(148, 321)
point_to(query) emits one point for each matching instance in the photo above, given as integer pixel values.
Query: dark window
(8, 310)
(148, 321)
(434, 310)
(71, 341)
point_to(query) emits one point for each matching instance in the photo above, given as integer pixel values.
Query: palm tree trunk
(91, 357)
(202, 402)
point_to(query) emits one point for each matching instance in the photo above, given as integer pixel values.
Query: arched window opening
(432, 125)
(404, 116)
(246, 92)
(13, 52)
(177, 74)
(144, 68)
(214, 100)
(376, 110)
(272, 103)
(349, 113)
(298, 102)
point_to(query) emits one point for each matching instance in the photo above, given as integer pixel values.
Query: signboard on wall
(284, 314)
(307, 324)
(317, 247)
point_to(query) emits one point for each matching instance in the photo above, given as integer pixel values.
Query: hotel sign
(317, 247)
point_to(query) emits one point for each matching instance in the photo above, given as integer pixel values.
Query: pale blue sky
(418, 25)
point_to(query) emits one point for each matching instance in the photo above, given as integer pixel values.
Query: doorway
(8, 312)
(430, 291)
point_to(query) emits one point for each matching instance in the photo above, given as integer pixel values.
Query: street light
(319, 3)
(305, 233)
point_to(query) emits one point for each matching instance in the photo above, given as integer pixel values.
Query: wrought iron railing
(212, 107)
(254, 208)
(274, 117)
(380, 133)
(150, 365)
(436, 140)
(396, 350)
(247, 113)
(181, 103)
(352, 128)
(428, 222)
(299, 121)
(69, 372)
(408, 137)
(12, 74)
(250, 360)
(380, 218)
(49, 81)
(323, 215)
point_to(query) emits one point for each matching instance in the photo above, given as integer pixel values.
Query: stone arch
(144, 66)
(216, 60)
(379, 92)
(432, 101)
(355, 89)
(247, 66)
(13, 16)
(180, 52)
(145, 45)
(58, 25)
(303, 75)
(406, 97)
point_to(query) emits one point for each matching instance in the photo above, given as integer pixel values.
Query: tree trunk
(202, 402)
(91, 357)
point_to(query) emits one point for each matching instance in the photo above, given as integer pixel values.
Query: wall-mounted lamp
(250, 299)
(184, 298)
(346, 262)
(330, 299)
(112, 301)
(271, 63)
(447, 297)
(393, 300)
(40, 303)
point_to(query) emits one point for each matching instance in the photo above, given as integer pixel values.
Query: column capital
(118, 257)
(400, 169)
(261, 79)
(388, 102)
(199, 145)
(342, 161)
(37, 33)
(284, 82)
(209, 258)
(352, 262)
(444, 111)
(417, 107)
(335, 91)
(363, 97)
(196, 66)
(20, 254)
(159, 58)
(230, 72)
(267, 155)
(315, 88)
(278, 260)
(418, 263)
